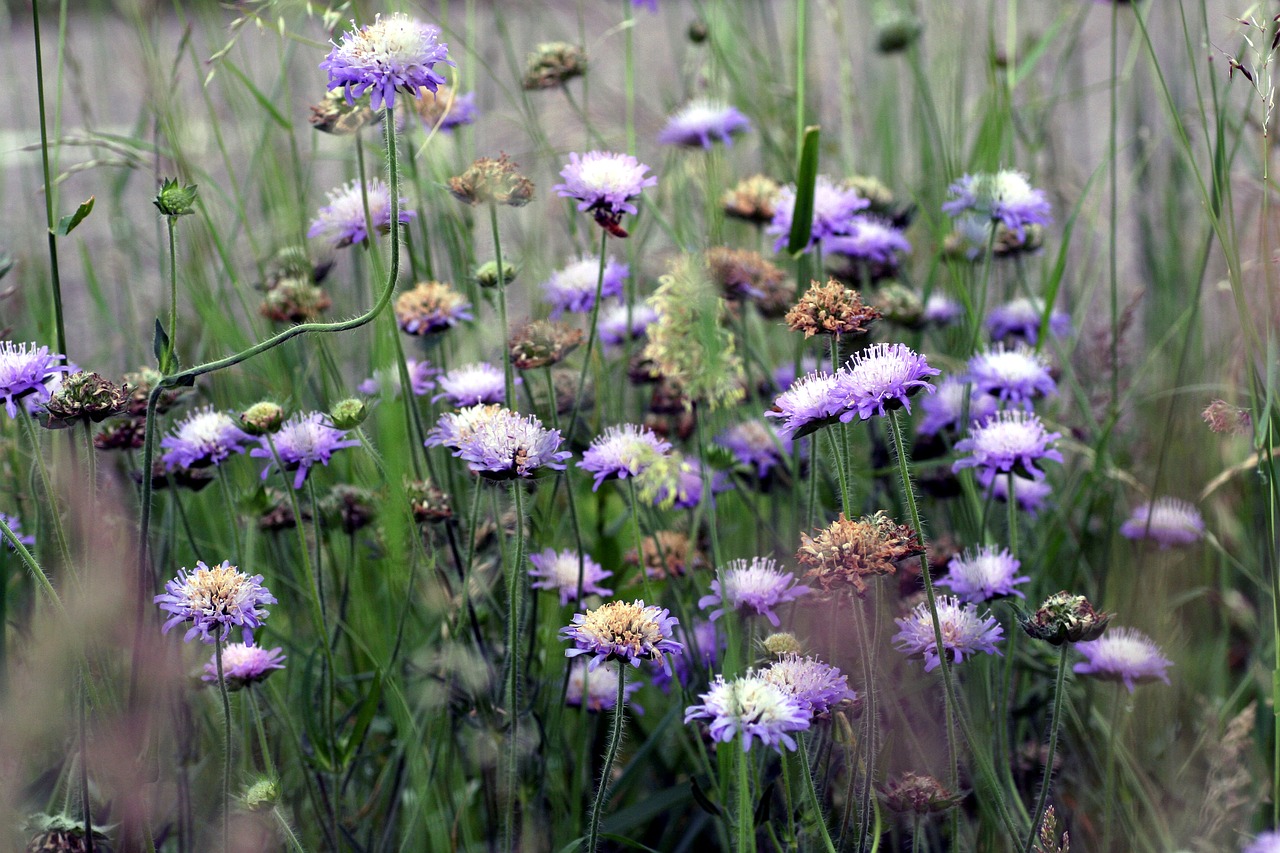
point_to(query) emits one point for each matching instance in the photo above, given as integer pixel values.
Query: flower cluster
(203, 438)
(833, 208)
(302, 441)
(621, 452)
(28, 371)
(702, 121)
(752, 586)
(342, 221)
(817, 686)
(1168, 522)
(983, 574)
(754, 707)
(1125, 655)
(430, 307)
(964, 632)
(1008, 441)
(472, 384)
(597, 688)
(392, 53)
(215, 600)
(244, 664)
(851, 550)
(620, 630)
(506, 446)
(573, 288)
(606, 185)
(560, 571)
(1006, 197)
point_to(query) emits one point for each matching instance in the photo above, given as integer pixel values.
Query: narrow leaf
(806, 177)
(67, 224)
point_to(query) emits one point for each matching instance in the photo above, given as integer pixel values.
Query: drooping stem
(226, 746)
(1054, 716)
(610, 753)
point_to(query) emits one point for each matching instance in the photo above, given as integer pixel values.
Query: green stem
(1109, 792)
(55, 517)
(232, 517)
(1054, 716)
(226, 745)
(515, 602)
(42, 580)
(745, 823)
(82, 732)
(54, 280)
(610, 754)
(591, 339)
(812, 792)
(508, 374)
(168, 358)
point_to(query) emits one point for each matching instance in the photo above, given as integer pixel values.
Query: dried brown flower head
(84, 397)
(830, 309)
(334, 115)
(743, 274)
(294, 300)
(899, 304)
(919, 794)
(668, 554)
(1222, 417)
(428, 502)
(543, 343)
(351, 506)
(140, 384)
(490, 181)
(1065, 618)
(128, 434)
(849, 551)
(753, 199)
(553, 64)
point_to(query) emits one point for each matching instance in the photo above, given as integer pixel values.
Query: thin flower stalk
(811, 792)
(55, 282)
(516, 580)
(508, 374)
(591, 338)
(1055, 716)
(226, 742)
(610, 755)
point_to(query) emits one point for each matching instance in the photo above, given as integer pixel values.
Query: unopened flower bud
(896, 30)
(174, 199)
(487, 273)
(783, 643)
(262, 418)
(262, 794)
(349, 413)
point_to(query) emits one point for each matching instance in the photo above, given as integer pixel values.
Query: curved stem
(610, 753)
(1054, 716)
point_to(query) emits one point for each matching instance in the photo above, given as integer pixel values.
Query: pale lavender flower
(598, 687)
(651, 5)
(421, 379)
(807, 405)
(1030, 494)
(815, 685)
(785, 374)
(1167, 521)
(15, 525)
(203, 438)
(704, 644)
(605, 184)
(752, 586)
(558, 571)
(621, 452)
(462, 111)
(1267, 842)
(964, 632)
(614, 329)
(941, 310)
(244, 664)
(833, 206)
(573, 288)
(1006, 196)
(453, 428)
(1125, 655)
(753, 707)
(471, 384)
(756, 444)
(945, 409)
(392, 53)
(215, 600)
(870, 239)
(986, 573)
(622, 631)
(879, 379)
(507, 446)
(1020, 318)
(702, 121)
(303, 441)
(341, 222)
(1008, 441)
(27, 371)
(1014, 375)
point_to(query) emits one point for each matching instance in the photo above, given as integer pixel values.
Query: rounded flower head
(941, 310)
(621, 452)
(243, 664)
(815, 685)
(986, 573)
(880, 379)
(429, 307)
(752, 199)
(618, 325)
(573, 288)
(870, 239)
(302, 441)
(833, 206)
(453, 428)
(204, 438)
(605, 184)
(701, 122)
(15, 526)
(471, 384)
(830, 309)
(1020, 318)
(945, 410)
(807, 405)
(27, 370)
(1065, 618)
(1006, 196)
(851, 550)
(621, 630)
(392, 53)
(559, 571)
(341, 222)
(1015, 375)
(964, 632)
(598, 688)
(752, 586)
(507, 446)
(753, 706)
(1008, 441)
(1125, 655)
(756, 444)
(1167, 521)
(215, 600)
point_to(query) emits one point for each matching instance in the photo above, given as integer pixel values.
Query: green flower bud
(174, 199)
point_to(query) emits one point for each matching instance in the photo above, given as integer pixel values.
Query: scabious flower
(203, 438)
(598, 688)
(447, 109)
(1167, 521)
(851, 550)
(1065, 618)
(833, 206)
(507, 446)
(302, 441)
(553, 64)
(983, 574)
(945, 409)
(429, 307)
(964, 632)
(754, 586)
(605, 184)
(621, 452)
(815, 685)
(15, 526)
(1125, 655)
(702, 121)
(880, 379)
(542, 343)
(342, 222)
(421, 379)
(752, 199)
(807, 405)
(703, 644)
(673, 480)
(941, 310)
(622, 631)
(1030, 494)
(215, 600)
(470, 384)
(243, 664)
(1006, 196)
(753, 707)
(558, 571)
(869, 239)
(756, 444)
(615, 328)
(453, 428)
(392, 53)
(573, 288)
(1014, 375)
(28, 371)
(1008, 441)
(830, 309)
(1020, 318)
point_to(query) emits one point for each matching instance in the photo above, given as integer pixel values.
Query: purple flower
(622, 631)
(622, 451)
(392, 53)
(977, 576)
(751, 706)
(15, 526)
(1020, 318)
(204, 438)
(945, 410)
(833, 206)
(815, 685)
(341, 222)
(879, 379)
(756, 444)
(1167, 521)
(941, 310)
(471, 384)
(809, 404)
(1016, 375)
(559, 571)
(507, 445)
(1267, 842)
(870, 239)
(754, 586)
(1123, 654)
(215, 600)
(598, 687)
(700, 122)
(1030, 494)
(25, 372)
(613, 327)
(1006, 196)
(605, 184)
(1008, 441)
(430, 307)
(303, 441)
(243, 664)
(785, 374)
(421, 379)
(704, 644)
(651, 5)
(574, 287)
(454, 428)
(964, 632)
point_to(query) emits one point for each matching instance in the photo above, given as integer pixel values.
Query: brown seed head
(753, 199)
(668, 554)
(426, 302)
(543, 343)
(830, 309)
(743, 274)
(913, 793)
(849, 551)
(1222, 417)
(554, 64)
(294, 300)
(1065, 618)
(428, 502)
(334, 115)
(128, 434)
(490, 181)
(84, 397)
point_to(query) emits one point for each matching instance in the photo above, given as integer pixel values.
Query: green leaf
(368, 708)
(67, 224)
(701, 798)
(160, 345)
(806, 177)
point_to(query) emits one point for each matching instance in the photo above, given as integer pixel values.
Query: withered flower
(743, 274)
(490, 181)
(553, 64)
(1065, 618)
(294, 300)
(918, 794)
(334, 115)
(84, 398)
(752, 199)
(668, 554)
(830, 309)
(428, 502)
(849, 551)
(543, 343)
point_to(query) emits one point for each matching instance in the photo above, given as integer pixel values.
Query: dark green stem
(226, 745)
(508, 375)
(812, 794)
(515, 602)
(610, 753)
(1054, 716)
(745, 823)
(54, 279)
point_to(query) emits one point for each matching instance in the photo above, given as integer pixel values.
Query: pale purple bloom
(870, 239)
(880, 379)
(27, 370)
(215, 600)
(964, 632)
(807, 405)
(756, 444)
(453, 428)
(651, 5)
(613, 325)
(751, 586)
(751, 706)
(785, 375)
(622, 631)
(1168, 521)
(203, 438)
(341, 222)
(621, 452)
(1008, 441)
(558, 571)
(1030, 494)
(941, 310)
(701, 122)
(1020, 318)
(507, 445)
(243, 664)
(945, 410)
(704, 644)
(598, 687)
(1014, 375)
(1006, 196)
(573, 288)
(421, 379)
(392, 53)
(986, 573)
(303, 441)
(833, 207)
(1123, 654)
(1267, 842)
(684, 489)
(815, 685)
(605, 184)
(461, 111)
(471, 384)
(15, 526)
